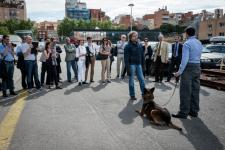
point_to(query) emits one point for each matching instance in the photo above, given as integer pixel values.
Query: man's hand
(176, 74)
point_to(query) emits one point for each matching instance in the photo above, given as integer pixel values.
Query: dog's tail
(171, 125)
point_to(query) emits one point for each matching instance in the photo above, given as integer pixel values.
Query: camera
(34, 48)
(14, 45)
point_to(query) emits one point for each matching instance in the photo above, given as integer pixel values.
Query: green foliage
(14, 24)
(3, 30)
(169, 28)
(68, 25)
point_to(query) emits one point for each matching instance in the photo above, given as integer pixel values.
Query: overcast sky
(40, 10)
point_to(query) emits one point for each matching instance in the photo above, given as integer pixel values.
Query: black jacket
(149, 53)
(179, 51)
(133, 54)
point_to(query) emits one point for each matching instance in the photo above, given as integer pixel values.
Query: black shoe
(193, 114)
(92, 81)
(117, 76)
(58, 87)
(84, 82)
(80, 84)
(109, 81)
(12, 93)
(179, 116)
(133, 98)
(167, 81)
(4, 94)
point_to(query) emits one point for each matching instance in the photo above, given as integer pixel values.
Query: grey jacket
(70, 52)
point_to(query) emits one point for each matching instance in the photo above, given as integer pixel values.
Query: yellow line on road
(8, 125)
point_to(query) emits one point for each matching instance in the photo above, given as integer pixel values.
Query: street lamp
(131, 18)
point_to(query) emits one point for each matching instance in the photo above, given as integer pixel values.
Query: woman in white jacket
(81, 54)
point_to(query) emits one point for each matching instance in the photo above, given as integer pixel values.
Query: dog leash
(171, 95)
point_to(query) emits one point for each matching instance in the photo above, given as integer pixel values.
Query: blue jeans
(72, 64)
(138, 69)
(8, 83)
(32, 71)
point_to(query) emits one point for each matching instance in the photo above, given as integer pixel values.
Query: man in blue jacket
(134, 59)
(190, 76)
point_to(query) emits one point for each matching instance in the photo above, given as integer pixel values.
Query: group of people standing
(135, 58)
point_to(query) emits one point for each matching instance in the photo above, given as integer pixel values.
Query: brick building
(212, 27)
(13, 9)
(47, 29)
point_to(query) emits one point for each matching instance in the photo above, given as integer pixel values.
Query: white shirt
(25, 47)
(92, 47)
(81, 50)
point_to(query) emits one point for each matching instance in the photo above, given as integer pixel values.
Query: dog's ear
(145, 91)
(152, 89)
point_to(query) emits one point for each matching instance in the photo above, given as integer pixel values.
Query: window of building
(210, 35)
(221, 34)
(210, 27)
(222, 24)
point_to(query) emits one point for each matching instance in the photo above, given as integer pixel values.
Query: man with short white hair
(29, 51)
(160, 58)
(120, 54)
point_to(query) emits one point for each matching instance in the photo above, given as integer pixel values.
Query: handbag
(99, 56)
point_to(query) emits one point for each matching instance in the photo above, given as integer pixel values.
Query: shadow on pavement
(11, 99)
(163, 86)
(128, 114)
(99, 87)
(200, 135)
(204, 92)
(77, 88)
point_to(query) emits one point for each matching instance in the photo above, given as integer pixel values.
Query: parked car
(212, 56)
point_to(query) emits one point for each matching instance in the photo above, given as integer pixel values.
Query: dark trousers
(124, 71)
(43, 71)
(32, 71)
(159, 69)
(52, 74)
(189, 89)
(8, 83)
(174, 67)
(92, 64)
(147, 67)
(24, 77)
(58, 70)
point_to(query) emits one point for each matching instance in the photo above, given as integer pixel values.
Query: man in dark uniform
(176, 58)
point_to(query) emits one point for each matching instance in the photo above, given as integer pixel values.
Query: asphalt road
(101, 117)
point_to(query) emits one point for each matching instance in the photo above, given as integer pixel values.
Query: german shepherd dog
(156, 114)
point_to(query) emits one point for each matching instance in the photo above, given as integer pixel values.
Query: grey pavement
(101, 117)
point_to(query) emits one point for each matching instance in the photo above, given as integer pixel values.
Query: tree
(4, 30)
(68, 25)
(14, 24)
(169, 28)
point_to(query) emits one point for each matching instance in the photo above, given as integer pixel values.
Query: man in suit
(160, 58)
(176, 58)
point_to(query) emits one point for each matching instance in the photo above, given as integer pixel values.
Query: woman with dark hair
(105, 52)
(51, 64)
